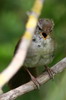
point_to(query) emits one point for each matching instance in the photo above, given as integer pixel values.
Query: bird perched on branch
(39, 55)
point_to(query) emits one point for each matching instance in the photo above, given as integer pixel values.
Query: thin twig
(43, 78)
(19, 57)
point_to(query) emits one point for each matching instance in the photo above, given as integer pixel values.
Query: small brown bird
(40, 54)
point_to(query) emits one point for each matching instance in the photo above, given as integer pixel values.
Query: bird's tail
(21, 77)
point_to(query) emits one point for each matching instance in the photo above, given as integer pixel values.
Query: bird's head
(45, 27)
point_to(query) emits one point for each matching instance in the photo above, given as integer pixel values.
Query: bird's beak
(46, 37)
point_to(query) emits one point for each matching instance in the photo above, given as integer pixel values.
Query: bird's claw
(50, 72)
(35, 81)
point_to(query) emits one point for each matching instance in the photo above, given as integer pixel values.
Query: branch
(19, 57)
(43, 78)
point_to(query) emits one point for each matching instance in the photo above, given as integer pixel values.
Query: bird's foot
(50, 72)
(35, 81)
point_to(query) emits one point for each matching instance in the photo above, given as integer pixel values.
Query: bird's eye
(34, 40)
(44, 35)
(40, 29)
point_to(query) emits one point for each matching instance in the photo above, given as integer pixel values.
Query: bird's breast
(40, 53)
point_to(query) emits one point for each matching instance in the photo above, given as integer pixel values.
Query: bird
(39, 55)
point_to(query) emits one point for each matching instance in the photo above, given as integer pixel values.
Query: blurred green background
(12, 24)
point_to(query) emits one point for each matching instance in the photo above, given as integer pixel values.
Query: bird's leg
(50, 72)
(35, 81)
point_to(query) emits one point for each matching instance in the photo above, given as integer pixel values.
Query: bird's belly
(45, 59)
(38, 60)
(40, 56)
(31, 61)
